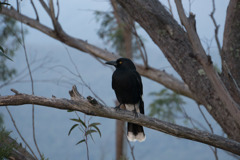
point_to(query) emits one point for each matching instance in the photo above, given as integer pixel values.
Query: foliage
(113, 34)
(9, 43)
(167, 105)
(87, 130)
(6, 149)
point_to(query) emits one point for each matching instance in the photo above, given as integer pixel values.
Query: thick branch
(91, 107)
(156, 75)
(231, 50)
(201, 56)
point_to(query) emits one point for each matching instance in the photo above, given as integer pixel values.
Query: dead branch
(92, 107)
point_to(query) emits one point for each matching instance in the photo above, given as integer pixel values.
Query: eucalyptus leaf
(74, 126)
(80, 121)
(83, 140)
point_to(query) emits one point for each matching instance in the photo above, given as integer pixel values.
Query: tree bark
(91, 107)
(170, 37)
(231, 50)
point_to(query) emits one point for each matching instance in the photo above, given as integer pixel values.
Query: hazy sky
(52, 126)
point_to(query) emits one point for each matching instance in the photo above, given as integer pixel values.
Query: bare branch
(58, 11)
(91, 107)
(32, 87)
(214, 150)
(216, 28)
(35, 10)
(45, 7)
(141, 46)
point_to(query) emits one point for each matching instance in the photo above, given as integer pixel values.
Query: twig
(216, 27)
(58, 11)
(170, 7)
(80, 77)
(214, 149)
(32, 86)
(230, 74)
(141, 46)
(17, 5)
(44, 5)
(14, 123)
(35, 10)
(131, 148)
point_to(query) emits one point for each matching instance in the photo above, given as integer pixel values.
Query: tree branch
(154, 74)
(201, 56)
(92, 107)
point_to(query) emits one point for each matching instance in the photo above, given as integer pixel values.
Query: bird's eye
(120, 62)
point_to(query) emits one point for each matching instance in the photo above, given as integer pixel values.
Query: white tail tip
(140, 137)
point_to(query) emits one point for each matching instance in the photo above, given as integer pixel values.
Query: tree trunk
(170, 37)
(231, 50)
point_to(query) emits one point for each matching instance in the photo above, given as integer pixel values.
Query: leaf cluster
(9, 43)
(87, 129)
(5, 148)
(166, 106)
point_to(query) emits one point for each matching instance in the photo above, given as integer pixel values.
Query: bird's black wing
(140, 91)
(127, 86)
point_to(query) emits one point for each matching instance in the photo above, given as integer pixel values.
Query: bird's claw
(117, 108)
(135, 113)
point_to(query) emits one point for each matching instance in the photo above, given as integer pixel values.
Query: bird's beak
(114, 63)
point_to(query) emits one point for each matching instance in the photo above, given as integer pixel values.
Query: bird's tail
(135, 132)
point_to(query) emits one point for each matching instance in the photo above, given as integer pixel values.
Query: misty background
(50, 58)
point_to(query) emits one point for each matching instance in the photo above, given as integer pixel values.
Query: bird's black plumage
(127, 84)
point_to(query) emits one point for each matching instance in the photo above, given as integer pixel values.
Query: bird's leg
(135, 111)
(118, 107)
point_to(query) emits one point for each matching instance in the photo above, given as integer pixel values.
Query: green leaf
(80, 121)
(83, 140)
(75, 125)
(4, 55)
(94, 125)
(1, 49)
(90, 131)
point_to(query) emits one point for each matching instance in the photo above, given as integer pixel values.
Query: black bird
(127, 84)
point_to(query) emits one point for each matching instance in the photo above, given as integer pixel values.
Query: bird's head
(122, 63)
